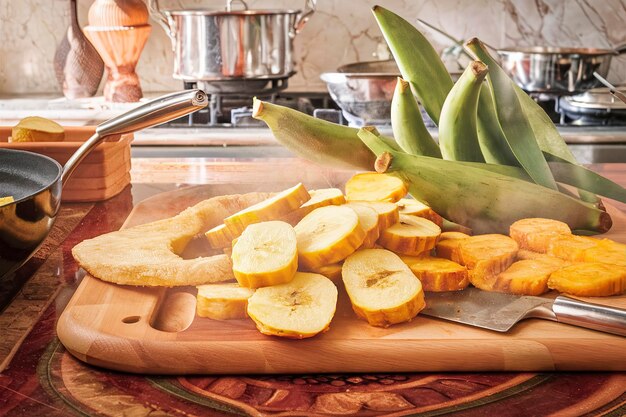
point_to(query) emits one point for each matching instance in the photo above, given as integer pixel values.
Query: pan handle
(621, 49)
(153, 113)
(592, 316)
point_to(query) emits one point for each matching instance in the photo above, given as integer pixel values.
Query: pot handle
(304, 16)
(161, 19)
(152, 113)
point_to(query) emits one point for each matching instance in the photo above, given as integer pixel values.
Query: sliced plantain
(227, 301)
(535, 233)
(328, 235)
(368, 219)
(413, 207)
(372, 186)
(528, 277)
(589, 279)
(220, 237)
(149, 254)
(270, 209)
(382, 288)
(410, 236)
(6, 200)
(37, 129)
(265, 254)
(298, 309)
(388, 213)
(438, 274)
(319, 198)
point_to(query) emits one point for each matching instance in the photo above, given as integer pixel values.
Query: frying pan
(35, 181)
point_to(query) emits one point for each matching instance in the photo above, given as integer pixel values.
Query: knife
(500, 311)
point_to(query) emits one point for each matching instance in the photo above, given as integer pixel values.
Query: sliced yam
(589, 279)
(524, 254)
(319, 198)
(606, 254)
(220, 237)
(475, 249)
(536, 233)
(412, 207)
(368, 219)
(448, 246)
(332, 271)
(265, 254)
(571, 247)
(388, 213)
(372, 186)
(438, 274)
(486, 256)
(529, 276)
(270, 209)
(228, 301)
(298, 309)
(410, 236)
(382, 289)
(328, 235)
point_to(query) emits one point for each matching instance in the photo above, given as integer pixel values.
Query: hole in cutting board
(131, 319)
(176, 311)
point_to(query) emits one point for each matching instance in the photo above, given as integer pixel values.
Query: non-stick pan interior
(23, 174)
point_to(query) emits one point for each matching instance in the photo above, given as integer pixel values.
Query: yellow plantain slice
(410, 236)
(412, 207)
(368, 219)
(270, 209)
(149, 254)
(319, 198)
(571, 247)
(382, 288)
(265, 254)
(328, 235)
(298, 309)
(372, 186)
(227, 301)
(388, 213)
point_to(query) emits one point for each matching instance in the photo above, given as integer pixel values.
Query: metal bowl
(364, 90)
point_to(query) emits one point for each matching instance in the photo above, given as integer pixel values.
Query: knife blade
(500, 312)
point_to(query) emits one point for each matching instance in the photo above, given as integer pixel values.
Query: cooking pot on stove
(218, 45)
(561, 71)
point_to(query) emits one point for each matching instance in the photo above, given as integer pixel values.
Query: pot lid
(597, 98)
(555, 50)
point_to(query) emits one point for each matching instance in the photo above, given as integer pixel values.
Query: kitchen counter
(40, 378)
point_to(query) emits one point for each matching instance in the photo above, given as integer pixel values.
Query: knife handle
(592, 316)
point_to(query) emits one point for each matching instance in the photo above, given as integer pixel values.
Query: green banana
(314, 139)
(407, 123)
(517, 130)
(458, 136)
(417, 60)
(482, 200)
(493, 144)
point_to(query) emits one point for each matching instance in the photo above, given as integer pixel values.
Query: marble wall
(339, 32)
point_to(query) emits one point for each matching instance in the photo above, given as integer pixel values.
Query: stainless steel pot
(217, 45)
(561, 71)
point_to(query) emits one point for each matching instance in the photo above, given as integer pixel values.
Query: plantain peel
(149, 254)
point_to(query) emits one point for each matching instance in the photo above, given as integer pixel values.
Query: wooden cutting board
(155, 331)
